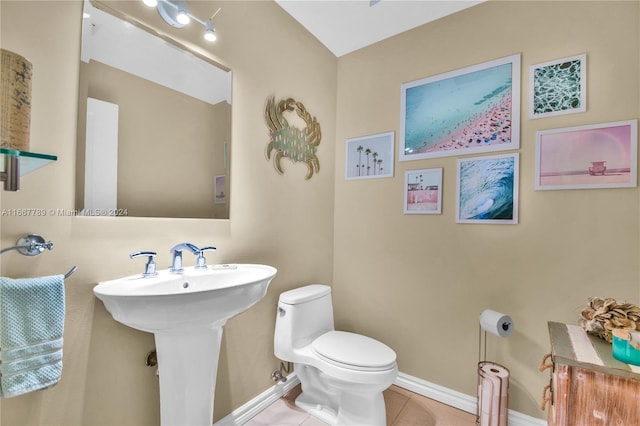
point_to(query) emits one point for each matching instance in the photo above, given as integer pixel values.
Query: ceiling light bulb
(151, 3)
(210, 33)
(183, 18)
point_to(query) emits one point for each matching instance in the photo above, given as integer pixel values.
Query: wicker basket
(15, 95)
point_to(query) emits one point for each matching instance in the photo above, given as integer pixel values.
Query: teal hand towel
(31, 328)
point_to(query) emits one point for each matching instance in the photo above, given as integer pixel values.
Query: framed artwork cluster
(476, 110)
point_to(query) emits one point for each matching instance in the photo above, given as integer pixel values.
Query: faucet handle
(201, 261)
(150, 266)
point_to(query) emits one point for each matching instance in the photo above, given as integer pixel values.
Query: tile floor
(404, 408)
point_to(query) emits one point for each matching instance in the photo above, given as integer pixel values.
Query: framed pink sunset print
(593, 156)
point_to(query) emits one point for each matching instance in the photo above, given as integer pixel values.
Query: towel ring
(71, 271)
(33, 245)
(30, 245)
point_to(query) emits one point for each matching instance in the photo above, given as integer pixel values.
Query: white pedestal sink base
(188, 366)
(186, 313)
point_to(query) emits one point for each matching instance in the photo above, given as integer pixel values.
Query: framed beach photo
(221, 189)
(594, 156)
(467, 111)
(558, 87)
(423, 191)
(370, 156)
(488, 189)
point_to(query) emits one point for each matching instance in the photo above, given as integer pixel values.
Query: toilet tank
(304, 314)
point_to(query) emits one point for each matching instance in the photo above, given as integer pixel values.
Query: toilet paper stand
(493, 378)
(482, 344)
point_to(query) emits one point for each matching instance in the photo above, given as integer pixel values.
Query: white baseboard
(458, 399)
(438, 393)
(250, 409)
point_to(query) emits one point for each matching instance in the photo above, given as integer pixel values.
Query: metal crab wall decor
(289, 141)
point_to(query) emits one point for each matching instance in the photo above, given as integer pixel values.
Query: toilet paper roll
(493, 393)
(496, 323)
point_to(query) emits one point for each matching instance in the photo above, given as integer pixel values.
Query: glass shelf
(14, 164)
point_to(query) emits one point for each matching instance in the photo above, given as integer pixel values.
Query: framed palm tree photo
(370, 157)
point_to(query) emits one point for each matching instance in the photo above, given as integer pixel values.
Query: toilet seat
(354, 351)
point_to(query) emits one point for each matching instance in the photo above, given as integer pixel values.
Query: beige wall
(420, 282)
(164, 136)
(281, 220)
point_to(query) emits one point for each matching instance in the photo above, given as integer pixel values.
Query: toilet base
(339, 403)
(375, 415)
(319, 411)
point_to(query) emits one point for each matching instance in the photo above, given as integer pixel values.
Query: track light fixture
(176, 14)
(182, 17)
(210, 32)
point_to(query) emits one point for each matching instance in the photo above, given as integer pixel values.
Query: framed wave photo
(488, 189)
(468, 111)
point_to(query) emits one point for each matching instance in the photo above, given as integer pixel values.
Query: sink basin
(194, 299)
(186, 312)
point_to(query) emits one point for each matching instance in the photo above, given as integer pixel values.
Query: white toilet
(342, 374)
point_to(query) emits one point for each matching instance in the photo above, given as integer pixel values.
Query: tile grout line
(404, 405)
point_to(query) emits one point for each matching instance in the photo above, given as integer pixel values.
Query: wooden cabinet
(588, 386)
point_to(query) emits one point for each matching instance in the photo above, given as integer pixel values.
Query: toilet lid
(355, 350)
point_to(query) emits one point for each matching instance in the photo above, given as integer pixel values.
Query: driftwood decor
(298, 145)
(601, 316)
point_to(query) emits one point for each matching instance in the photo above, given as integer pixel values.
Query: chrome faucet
(176, 263)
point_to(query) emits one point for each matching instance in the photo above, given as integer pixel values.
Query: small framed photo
(594, 156)
(423, 191)
(467, 111)
(370, 156)
(558, 87)
(488, 189)
(221, 189)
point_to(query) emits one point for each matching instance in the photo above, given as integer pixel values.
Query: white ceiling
(347, 25)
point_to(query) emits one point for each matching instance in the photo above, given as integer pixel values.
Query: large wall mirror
(154, 124)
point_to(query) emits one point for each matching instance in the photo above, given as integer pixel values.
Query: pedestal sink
(186, 312)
